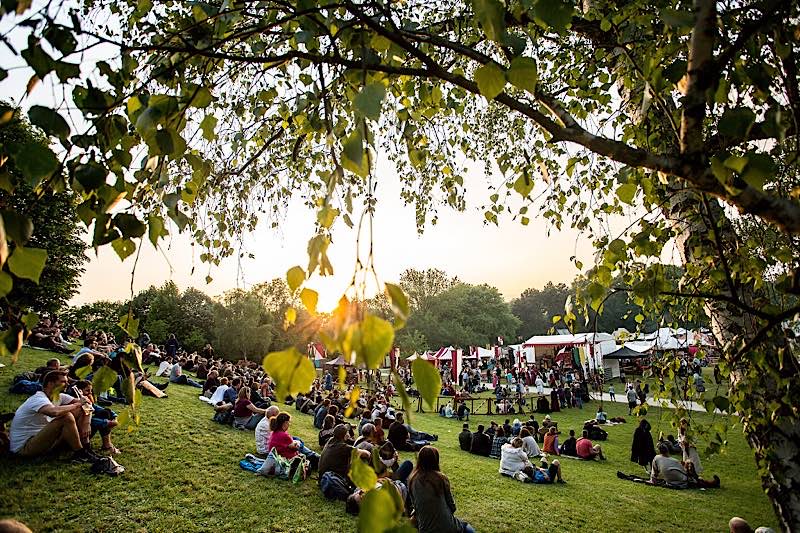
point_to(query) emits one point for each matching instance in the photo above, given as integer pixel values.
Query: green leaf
(353, 157)
(289, 317)
(554, 14)
(326, 216)
(207, 125)
(155, 228)
(309, 298)
(41, 63)
(398, 300)
(361, 474)
(83, 371)
(368, 101)
(202, 98)
(61, 39)
(295, 277)
(722, 403)
(400, 389)
(27, 263)
(626, 192)
(427, 379)
(6, 284)
(523, 185)
(523, 73)
(736, 122)
(490, 14)
(49, 120)
(11, 342)
(18, 228)
(129, 325)
(129, 225)
(759, 168)
(123, 247)
(382, 511)
(167, 142)
(35, 161)
(291, 372)
(103, 379)
(677, 19)
(376, 337)
(91, 175)
(491, 80)
(30, 320)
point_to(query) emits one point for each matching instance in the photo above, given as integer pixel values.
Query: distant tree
(422, 286)
(100, 315)
(465, 315)
(536, 308)
(411, 341)
(240, 330)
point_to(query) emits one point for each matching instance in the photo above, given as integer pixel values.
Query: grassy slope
(182, 475)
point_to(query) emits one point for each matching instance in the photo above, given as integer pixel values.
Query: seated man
(668, 471)
(176, 376)
(263, 431)
(400, 437)
(465, 438)
(481, 443)
(569, 446)
(44, 335)
(586, 450)
(334, 465)
(462, 412)
(414, 435)
(39, 425)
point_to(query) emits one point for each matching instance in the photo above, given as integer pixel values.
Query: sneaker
(562, 481)
(162, 386)
(716, 481)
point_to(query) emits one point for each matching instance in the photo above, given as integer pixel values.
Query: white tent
(593, 344)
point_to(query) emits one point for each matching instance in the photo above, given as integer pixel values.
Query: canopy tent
(591, 346)
(476, 352)
(454, 355)
(338, 361)
(625, 353)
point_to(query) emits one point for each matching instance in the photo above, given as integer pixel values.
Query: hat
(340, 431)
(547, 417)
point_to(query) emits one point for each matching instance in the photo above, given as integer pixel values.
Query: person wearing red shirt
(587, 450)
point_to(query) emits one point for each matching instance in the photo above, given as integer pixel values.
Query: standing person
(430, 493)
(632, 399)
(172, 346)
(328, 380)
(611, 393)
(539, 385)
(642, 448)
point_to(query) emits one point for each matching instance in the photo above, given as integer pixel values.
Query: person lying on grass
(667, 471)
(39, 425)
(284, 444)
(587, 450)
(103, 420)
(429, 491)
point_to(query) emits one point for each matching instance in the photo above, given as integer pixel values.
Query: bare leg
(60, 429)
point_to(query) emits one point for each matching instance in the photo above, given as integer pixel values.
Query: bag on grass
(334, 487)
(107, 465)
(268, 466)
(298, 469)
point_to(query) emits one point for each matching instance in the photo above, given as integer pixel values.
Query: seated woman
(286, 446)
(385, 462)
(529, 443)
(551, 441)
(447, 411)
(326, 432)
(103, 420)
(378, 434)
(514, 460)
(601, 416)
(497, 442)
(245, 414)
(211, 383)
(429, 491)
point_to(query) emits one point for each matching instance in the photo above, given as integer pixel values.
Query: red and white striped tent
(452, 354)
(316, 350)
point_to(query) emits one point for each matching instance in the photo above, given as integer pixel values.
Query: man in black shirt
(465, 438)
(481, 443)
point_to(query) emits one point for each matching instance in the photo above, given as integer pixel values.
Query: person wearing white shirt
(39, 425)
(263, 432)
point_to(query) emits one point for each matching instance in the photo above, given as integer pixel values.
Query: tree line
(443, 311)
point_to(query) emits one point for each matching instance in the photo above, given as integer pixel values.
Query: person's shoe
(435, 438)
(562, 481)
(716, 481)
(85, 456)
(104, 402)
(162, 386)
(621, 475)
(111, 450)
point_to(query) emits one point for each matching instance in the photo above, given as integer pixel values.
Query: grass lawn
(182, 474)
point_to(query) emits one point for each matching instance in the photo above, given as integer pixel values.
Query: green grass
(182, 474)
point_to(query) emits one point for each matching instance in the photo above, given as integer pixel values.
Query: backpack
(107, 465)
(223, 417)
(298, 469)
(334, 487)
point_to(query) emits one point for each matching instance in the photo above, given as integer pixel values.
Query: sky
(510, 257)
